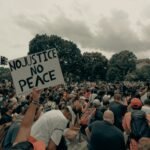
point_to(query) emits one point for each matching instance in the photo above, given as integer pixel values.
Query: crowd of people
(98, 116)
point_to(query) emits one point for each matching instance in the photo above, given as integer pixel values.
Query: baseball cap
(136, 103)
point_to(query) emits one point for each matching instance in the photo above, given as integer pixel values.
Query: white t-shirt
(50, 125)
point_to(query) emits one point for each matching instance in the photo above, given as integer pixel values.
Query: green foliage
(141, 74)
(68, 52)
(89, 66)
(122, 63)
(114, 74)
(94, 66)
(5, 74)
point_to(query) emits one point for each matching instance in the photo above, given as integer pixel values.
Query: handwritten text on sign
(37, 70)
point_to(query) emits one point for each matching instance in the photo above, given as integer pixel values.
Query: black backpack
(139, 125)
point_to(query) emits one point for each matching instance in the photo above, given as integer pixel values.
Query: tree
(140, 74)
(68, 52)
(113, 74)
(5, 74)
(124, 62)
(94, 66)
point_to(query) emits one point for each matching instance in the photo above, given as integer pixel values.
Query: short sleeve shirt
(50, 126)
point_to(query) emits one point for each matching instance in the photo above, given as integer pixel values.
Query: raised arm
(25, 128)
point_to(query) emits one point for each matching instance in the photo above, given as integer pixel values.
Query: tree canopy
(89, 65)
(140, 74)
(123, 62)
(68, 52)
(4, 74)
(94, 66)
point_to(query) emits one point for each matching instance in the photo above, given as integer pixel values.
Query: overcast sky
(107, 26)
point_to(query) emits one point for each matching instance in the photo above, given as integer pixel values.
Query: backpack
(3, 131)
(139, 125)
(85, 118)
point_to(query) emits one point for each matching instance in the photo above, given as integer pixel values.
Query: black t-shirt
(103, 109)
(105, 136)
(119, 111)
(98, 115)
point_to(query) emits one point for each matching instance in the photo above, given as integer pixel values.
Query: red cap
(136, 103)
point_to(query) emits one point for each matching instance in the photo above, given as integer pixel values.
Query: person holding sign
(46, 132)
(50, 127)
(23, 139)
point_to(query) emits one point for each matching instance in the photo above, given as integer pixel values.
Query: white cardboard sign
(40, 70)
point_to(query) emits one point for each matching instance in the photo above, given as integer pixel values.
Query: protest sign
(40, 70)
